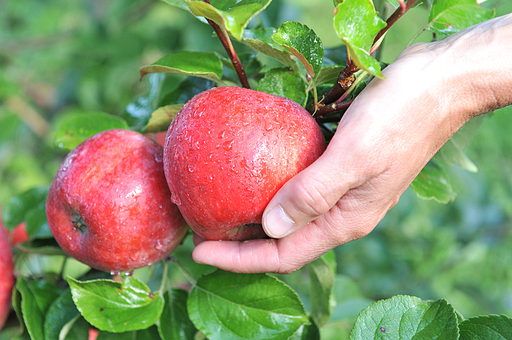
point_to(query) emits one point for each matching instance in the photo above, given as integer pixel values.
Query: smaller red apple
(6, 277)
(109, 205)
(17, 235)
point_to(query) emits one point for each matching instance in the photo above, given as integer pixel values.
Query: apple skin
(227, 153)
(6, 277)
(109, 205)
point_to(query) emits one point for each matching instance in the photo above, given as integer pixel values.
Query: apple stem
(346, 77)
(228, 46)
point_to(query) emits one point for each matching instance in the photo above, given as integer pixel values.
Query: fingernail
(277, 223)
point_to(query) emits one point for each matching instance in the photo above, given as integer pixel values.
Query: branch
(228, 46)
(326, 110)
(346, 77)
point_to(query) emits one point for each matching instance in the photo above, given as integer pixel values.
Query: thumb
(304, 198)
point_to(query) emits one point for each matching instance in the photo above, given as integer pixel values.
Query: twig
(228, 46)
(346, 77)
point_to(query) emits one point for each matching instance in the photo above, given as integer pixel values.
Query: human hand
(385, 138)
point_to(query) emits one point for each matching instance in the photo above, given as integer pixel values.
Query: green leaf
(321, 276)
(357, 24)
(16, 209)
(452, 152)
(77, 128)
(307, 332)
(226, 305)
(117, 306)
(174, 323)
(431, 183)
(488, 327)
(285, 83)
(138, 112)
(36, 297)
(178, 3)
(452, 16)
(303, 43)
(261, 41)
(406, 317)
(199, 64)
(60, 312)
(328, 75)
(162, 118)
(146, 334)
(234, 18)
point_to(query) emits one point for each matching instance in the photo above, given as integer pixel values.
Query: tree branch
(228, 46)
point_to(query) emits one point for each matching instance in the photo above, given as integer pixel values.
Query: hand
(385, 138)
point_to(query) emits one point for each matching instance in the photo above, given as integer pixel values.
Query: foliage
(95, 53)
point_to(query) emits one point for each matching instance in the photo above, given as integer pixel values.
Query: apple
(6, 277)
(109, 205)
(228, 151)
(17, 235)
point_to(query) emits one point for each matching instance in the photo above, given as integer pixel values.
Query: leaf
(452, 16)
(78, 127)
(16, 209)
(174, 324)
(286, 83)
(452, 152)
(60, 312)
(321, 275)
(406, 317)
(357, 24)
(162, 118)
(234, 18)
(138, 112)
(431, 183)
(261, 41)
(226, 305)
(307, 332)
(199, 64)
(117, 306)
(36, 297)
(303, 43)
(488, 327)
(328, 75)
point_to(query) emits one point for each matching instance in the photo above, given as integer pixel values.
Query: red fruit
(17, 235)
(109, 205)
(227, 153)
(6, 277)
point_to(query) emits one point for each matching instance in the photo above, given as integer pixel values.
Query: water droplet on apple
(158, 245)
(210, 177)
(115, 272)
(228, 145)
(175, 199)
(222, 134)
(268, 128)
(190, 168)
(128, 273)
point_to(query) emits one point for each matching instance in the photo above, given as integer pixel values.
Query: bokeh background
(59, 57)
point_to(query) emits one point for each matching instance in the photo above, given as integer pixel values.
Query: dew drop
(115, 272)
(228, 145)
(128, 273)
(268, 128)
(190, 168)
(158, 245)
(222, 134)
(175, 199)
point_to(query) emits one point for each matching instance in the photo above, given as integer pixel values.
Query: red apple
(6, 277)
(109, 205)
(17, 235)
(228, 151)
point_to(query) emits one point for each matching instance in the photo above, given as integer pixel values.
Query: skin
(385, 138)
(6, 277)
(228, 152)
(109, 205)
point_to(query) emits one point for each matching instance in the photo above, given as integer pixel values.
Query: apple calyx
(79, 223)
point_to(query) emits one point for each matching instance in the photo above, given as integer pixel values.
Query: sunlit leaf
(117, 306)
(357, 25)
(303, 43)
(285, 83)
(199, 64)
(431, 183)
(234, 19)
(261, 41)
(406, 318)
(486, 327)
(162, 118)
(226, 305)
(451, 16)
(78, 127)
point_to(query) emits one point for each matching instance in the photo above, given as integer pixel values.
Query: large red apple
(228, 151)
(6, 277)
(109, 205)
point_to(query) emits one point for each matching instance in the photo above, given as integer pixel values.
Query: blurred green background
(64, 56)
